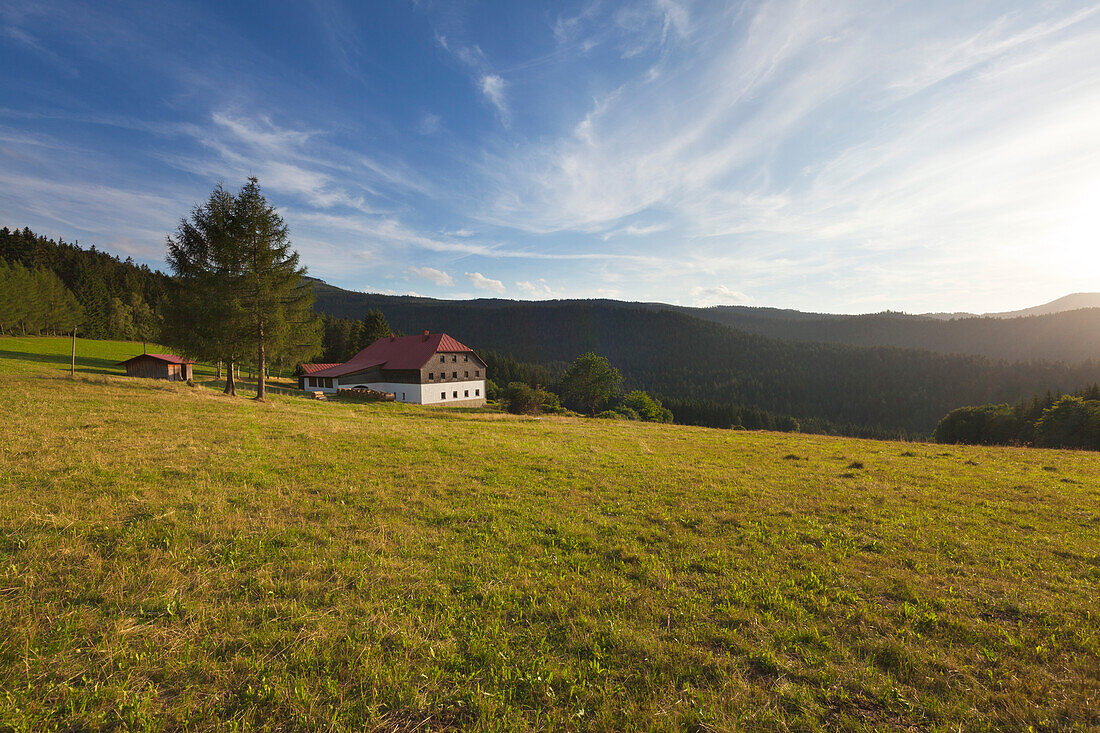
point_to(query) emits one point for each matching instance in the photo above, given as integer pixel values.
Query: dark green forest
(1069, 336)
(711, 374)
(706, 373)
(118, 298)
(1048, 421)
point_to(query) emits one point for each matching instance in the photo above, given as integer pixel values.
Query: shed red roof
(170, 358)
(311, 368)
(397, 352)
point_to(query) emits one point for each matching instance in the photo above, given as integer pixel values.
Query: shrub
(523, 399)
(1071, 422)
(979, 425)
(645, 407)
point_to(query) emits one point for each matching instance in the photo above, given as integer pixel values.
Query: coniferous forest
(706, 373)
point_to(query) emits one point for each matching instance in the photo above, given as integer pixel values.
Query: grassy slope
(173, 558)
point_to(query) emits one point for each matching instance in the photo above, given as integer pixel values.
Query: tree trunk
(230, 385)
(261, 383)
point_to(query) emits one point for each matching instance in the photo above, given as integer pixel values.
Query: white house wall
(421, 394)
(431, 391)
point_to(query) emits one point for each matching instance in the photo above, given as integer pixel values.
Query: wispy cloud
(718, 295)
(484, 283)
(536, 289)
(843, 155)
(429, 124)
(492, 86)
(436, 276)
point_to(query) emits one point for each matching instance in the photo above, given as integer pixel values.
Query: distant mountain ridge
(776, 361)
(1070, 334)
(1074, 301)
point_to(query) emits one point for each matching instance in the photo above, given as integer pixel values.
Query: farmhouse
(304, 370)
(158, 366)
(429, 369)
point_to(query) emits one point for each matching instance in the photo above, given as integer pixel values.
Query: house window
(467, 394)
(454, 357)
(442, 358)
(402, 396)
(442, 395)
(477, 372)
(467, 375)
(477, 393)
(431, 376)
(456, 394)
(310, 382)
(466, 357)
(454, 375)
(328, 382)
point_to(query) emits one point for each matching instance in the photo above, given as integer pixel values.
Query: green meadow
(171, 558)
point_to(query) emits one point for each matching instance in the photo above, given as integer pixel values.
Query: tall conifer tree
(277, 300)
(205, 316)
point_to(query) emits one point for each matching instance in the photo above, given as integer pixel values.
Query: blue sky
(840, 156)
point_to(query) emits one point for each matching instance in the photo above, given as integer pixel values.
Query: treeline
(343, 338)
(35, 302)
(710, 368)
(1050, 421)
(506, 370)
(118, 298)
(1071, 335)
(590, 385)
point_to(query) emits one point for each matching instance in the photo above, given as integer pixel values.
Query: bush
(523, 399)
(493, 392)
(979, 425)
(1071, 422)
(645, 408)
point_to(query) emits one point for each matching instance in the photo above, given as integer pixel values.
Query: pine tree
(374, 327)
(205, 315)
(277, 299)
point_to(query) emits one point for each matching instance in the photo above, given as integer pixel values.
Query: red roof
(311, 368)
(397, 352)
(170, 358)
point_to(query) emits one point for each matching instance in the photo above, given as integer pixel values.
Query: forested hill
(703, 368)
(682, 357)
(1069, 335)
(1072, 335)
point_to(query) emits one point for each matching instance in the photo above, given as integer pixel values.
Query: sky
(836, 156)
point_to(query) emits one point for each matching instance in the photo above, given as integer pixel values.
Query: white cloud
(484, 283)
(538, 289)
(492, 86)
(430, 273)
(718, 295)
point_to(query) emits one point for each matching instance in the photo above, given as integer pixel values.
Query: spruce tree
(374, 327)
(276, 299)
(204, 315)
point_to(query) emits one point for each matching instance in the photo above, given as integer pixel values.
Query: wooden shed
(158, 366)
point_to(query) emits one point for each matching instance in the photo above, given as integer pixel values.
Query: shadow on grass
(84, 364)
(246, 388)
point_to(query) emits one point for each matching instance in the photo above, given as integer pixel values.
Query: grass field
(171, 558)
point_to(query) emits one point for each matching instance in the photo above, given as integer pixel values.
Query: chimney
(425, 335)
